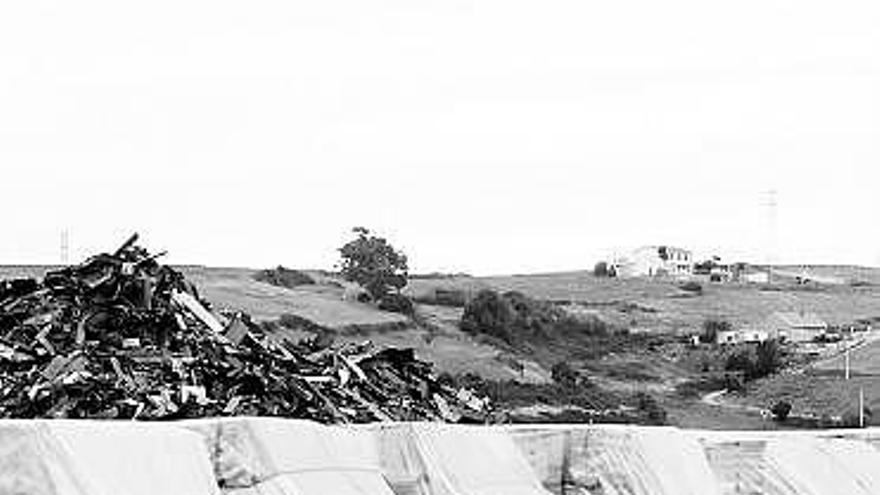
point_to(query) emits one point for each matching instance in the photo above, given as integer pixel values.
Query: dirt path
(715, 399)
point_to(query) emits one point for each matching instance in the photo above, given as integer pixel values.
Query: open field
(660, 305)
(640, 303)
(819, 393)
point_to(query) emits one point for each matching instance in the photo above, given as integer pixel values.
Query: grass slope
(660, 305)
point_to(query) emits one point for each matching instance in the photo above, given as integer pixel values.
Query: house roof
(655, 249)
(800, 319)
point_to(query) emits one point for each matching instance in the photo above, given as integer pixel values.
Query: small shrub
(758, 362)
(781, 410)
(742, 360)
(692, 287)
(711, 329)
(489, 313)
(602, 269)
(768, 358)
(563, 374)
(648, 405)
(397, 303)
(284, 277)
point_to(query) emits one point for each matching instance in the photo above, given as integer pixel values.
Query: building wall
(757, 277)
(800, 334)
(646, 262)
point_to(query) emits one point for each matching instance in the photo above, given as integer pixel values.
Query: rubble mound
(121, 336)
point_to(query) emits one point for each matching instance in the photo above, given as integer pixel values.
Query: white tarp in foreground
(439, 459)
(102, 458)
(618, 459)
(802, 463)
(268, 456)
(265, 456)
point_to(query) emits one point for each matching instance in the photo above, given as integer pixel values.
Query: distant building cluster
(655, 261)
(679, 263)
(662, 261)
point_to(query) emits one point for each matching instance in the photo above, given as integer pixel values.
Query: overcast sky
(481, 136)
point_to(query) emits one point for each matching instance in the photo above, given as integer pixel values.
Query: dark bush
(781, 410)
(284, 277)
(768, 358)
(758, 362)
(601, 269)
(648, 405)
(711, 329)
(491, 314)
(518, 320)
(563, 374)
(691, 286)
(742, 360)
(397, 303)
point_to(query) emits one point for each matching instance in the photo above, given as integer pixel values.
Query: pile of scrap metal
(122, 336)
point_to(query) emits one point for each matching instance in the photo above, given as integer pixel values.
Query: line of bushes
(516, 319)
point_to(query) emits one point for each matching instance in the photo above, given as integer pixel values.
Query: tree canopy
(373, 263)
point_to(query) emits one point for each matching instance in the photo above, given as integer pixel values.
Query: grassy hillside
(660, 305)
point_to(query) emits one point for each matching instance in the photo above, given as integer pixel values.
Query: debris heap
(122, 336)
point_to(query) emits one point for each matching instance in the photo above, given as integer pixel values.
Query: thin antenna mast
(771, 203)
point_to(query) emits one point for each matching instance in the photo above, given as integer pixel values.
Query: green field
(659, 305)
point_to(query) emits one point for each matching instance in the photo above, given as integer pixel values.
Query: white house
(742, 336)
(756, 277)
(653, 261)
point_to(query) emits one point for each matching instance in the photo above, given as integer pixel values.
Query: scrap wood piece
(125, 245)
(54, 368)
(232, 405)
(199, 311)
(80, 337)
(373, 408)
(43, 341)
(354, 368)
(236, 331)
(121, 374)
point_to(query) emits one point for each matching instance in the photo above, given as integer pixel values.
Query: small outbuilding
(795, 326)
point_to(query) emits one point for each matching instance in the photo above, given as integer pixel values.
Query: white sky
(480, 136)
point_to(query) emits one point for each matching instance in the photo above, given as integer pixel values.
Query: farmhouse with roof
(654, 261)
(795, 326)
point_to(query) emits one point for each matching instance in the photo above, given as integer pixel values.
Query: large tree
(373, 263)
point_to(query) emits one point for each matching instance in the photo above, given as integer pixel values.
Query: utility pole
(861, 407)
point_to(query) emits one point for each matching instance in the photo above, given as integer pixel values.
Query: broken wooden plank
(199, 311)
